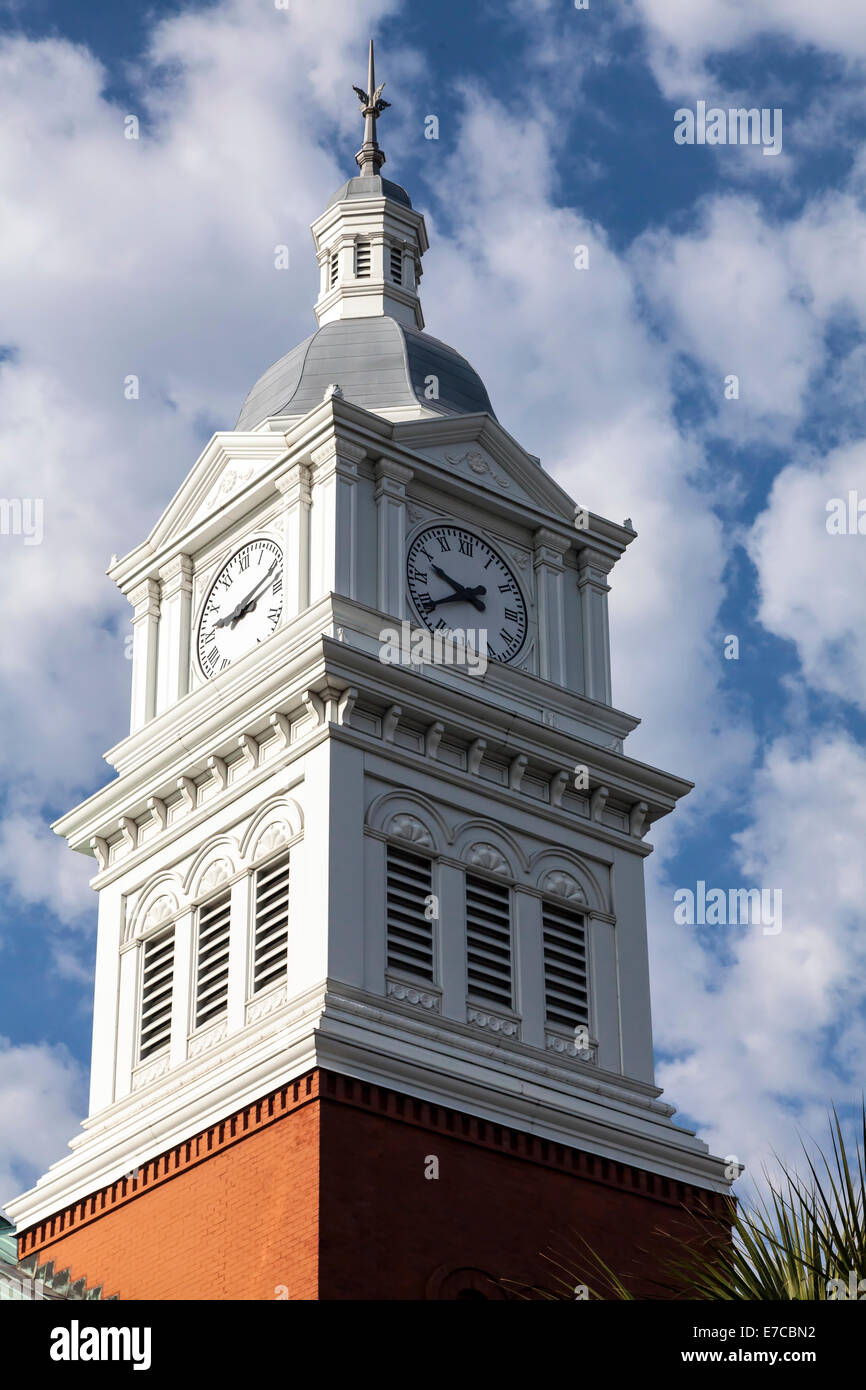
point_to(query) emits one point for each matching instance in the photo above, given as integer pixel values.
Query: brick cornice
(332, 1088)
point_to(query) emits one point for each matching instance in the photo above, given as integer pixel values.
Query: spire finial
(370, 158)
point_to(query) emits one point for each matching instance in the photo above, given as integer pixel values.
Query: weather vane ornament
(369, 157)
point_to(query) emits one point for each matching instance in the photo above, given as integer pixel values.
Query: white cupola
(369, 240)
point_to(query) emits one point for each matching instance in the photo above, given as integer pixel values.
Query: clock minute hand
(241, 608)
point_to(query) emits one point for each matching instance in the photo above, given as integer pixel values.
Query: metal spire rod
(369, 157)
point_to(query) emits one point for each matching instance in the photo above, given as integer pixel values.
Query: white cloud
(811, 581)
(42, 1099)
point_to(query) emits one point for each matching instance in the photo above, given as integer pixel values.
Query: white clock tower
(402, 896)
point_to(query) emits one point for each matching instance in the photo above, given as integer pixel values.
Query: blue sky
(556, 129)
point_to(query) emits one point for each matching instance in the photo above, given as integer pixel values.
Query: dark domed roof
(370, 186)
(378, 363)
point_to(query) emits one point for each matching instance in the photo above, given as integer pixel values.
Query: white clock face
(457, 581)
(243, 606)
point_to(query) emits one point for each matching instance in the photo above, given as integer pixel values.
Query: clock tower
(372, 1009)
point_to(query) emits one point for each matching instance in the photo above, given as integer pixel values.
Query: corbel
(100, 850)
(476, 753)
(189, 791)
(637, 818)
(516, 769)
(346, 704)
(597, 802)
(315, 705)
(129, 831)
(283, 728)
(218, 770)
(556, 786)
(250, 750)
(156, 807)
(390, 721)
(432, 738)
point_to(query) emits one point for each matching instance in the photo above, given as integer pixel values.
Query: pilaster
(145, 636)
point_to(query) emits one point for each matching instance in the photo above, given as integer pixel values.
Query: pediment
(479, 451)
(230, 463)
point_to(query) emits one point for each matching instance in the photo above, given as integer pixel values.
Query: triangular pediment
(476, 449)
(231, 461)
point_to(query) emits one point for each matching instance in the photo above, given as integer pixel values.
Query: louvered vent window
(334, 269)
(565, 981)
(270, 962)
(488, 940)
(212, 972)
(362, 260)
(158, 972)
(397, 265)
(410, 934)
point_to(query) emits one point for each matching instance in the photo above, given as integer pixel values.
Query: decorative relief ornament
(277, 834)
(486, 856)
(562, 885)
(408, 994)
(410, 828)
(160, 911)
(231, 480)
(507, 1026)
(478, 464)
(220, 871)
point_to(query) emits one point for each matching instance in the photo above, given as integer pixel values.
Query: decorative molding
(509, 1027)
(487, 856)
(152, 1072)
(412, 994)
(203, 1042)
(265, 1004)
(408, 827)
(561, 885)
(232, 479)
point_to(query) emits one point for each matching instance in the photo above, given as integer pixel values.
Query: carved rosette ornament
(410, 828)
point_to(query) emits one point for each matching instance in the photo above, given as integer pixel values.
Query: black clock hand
(461, 591)
(447, 578)
(243, 607)
(465, 596)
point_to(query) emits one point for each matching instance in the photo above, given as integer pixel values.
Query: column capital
(145, 600)
(294, 482)
(337, 454)
(392, 478)
(176, 576)
(549, 548)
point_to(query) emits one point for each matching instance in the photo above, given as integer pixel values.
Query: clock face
(243, 606)
(459, 582)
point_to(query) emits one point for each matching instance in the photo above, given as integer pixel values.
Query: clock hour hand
(461, 592)
(464, 596)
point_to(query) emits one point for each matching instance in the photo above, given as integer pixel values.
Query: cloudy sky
(155, 257)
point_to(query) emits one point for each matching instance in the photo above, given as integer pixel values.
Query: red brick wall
(320, 1188)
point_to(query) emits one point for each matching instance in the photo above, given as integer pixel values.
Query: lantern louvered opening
(397, 265)
(270, 961)
(410, 934)
(488, 940)
(212, 973)
(362, 260)
(565, 981)
(333, 269)
(157, 977)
